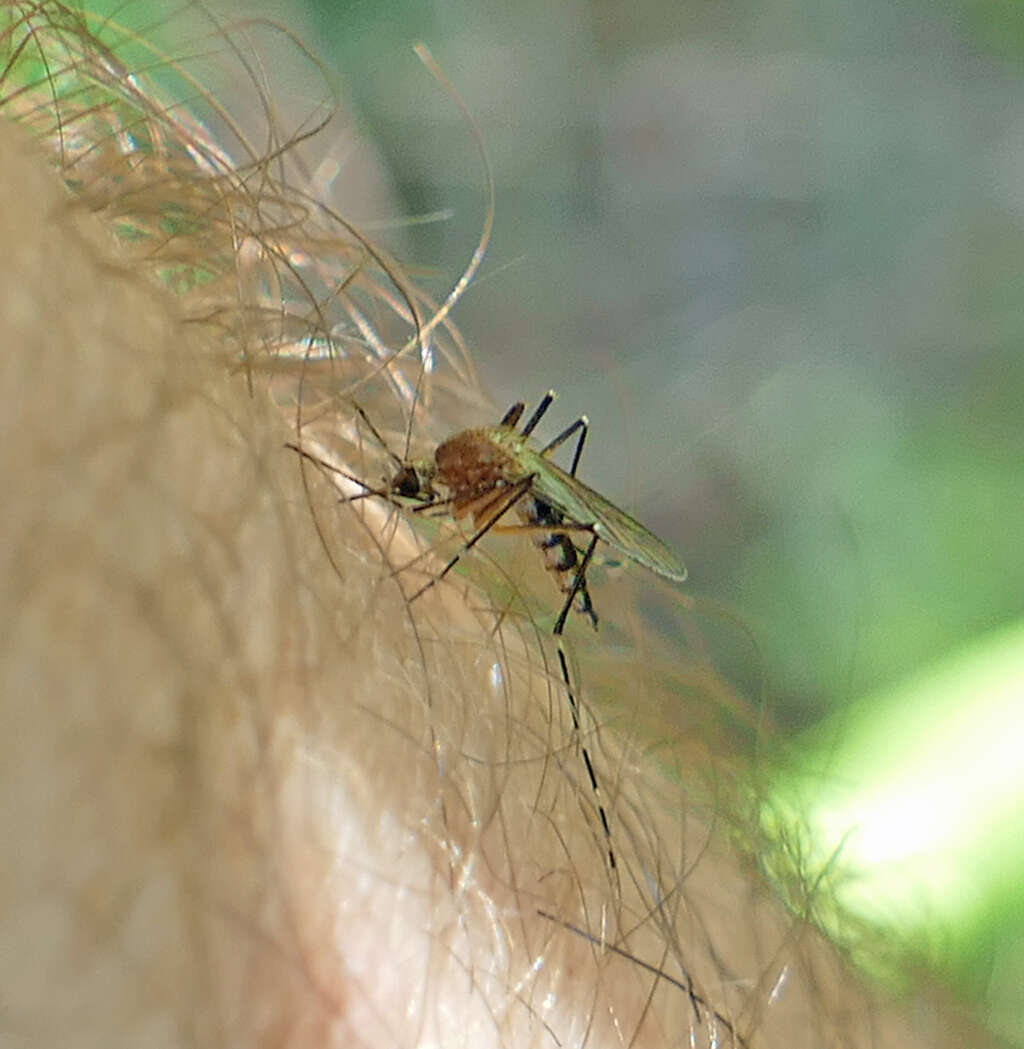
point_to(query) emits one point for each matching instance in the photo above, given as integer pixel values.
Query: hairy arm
(252, 796)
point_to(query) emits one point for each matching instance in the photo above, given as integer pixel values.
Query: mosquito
(484, 473)
(487, 471)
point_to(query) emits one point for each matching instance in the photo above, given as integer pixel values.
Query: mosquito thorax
(478, 460)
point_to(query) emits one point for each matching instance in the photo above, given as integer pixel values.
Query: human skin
(254, 796)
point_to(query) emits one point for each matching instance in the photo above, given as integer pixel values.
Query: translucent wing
(585, 506)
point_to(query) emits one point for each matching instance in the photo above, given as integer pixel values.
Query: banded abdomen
(561, 555)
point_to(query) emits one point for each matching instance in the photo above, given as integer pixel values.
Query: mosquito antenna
(323, 464)
(423, 333)
(400, 463)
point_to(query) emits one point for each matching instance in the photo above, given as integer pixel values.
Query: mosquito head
(413, 480)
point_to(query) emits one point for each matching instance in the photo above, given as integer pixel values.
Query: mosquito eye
(407, 483)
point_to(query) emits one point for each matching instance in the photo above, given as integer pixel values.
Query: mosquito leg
(587, 606)
(562, 528)
(570, 560)
(432, 504)
(587, 763)
(506, 499)
(582, 424)
(545, 403)
(512, 416)
(579, 583)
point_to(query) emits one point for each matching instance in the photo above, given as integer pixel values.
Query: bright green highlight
(918, 794)
(930, 780)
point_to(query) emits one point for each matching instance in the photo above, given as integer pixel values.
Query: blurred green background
(775, 250)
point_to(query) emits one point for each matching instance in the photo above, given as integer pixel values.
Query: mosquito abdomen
(561, 557)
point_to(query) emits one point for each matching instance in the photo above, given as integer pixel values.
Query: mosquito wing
(585, 506)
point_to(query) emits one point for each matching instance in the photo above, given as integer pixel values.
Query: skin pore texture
(251, 796)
